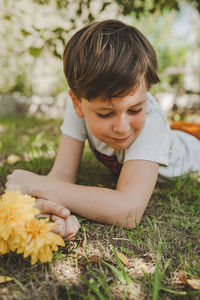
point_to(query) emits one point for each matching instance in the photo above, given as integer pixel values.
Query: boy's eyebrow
(111, 109)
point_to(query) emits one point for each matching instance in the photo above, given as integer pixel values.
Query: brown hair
(108, 59)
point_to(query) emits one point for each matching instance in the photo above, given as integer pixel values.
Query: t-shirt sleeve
(73, 126)
(153, 144)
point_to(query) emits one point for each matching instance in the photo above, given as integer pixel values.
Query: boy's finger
(60, 225)
(76, 222)
(44, 216)
(69, 237)
(47, 206)
(72, 226)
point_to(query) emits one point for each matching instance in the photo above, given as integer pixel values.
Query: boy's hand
(23, 181)
(67, 228)
(67, 225)
(52, 208)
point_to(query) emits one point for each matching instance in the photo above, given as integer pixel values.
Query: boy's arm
(123, 206)
(64, 169)
(68, 159)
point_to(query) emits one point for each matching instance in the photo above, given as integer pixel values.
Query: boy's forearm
(61, 176)
(97, 204)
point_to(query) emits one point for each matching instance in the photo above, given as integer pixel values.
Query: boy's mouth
(121, 140)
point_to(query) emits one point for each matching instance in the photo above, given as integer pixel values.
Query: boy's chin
(119, 146)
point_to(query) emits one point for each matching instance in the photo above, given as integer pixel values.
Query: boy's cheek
(97, 125)
(139, 121)
(99, 131)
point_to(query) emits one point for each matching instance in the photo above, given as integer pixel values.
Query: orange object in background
(191, 128)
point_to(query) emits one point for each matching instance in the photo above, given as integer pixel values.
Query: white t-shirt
(175, 151)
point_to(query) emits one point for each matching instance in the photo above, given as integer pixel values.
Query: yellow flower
(19, 230)
(3, 247)
(40, 241)
(17, 237)
(15, 210)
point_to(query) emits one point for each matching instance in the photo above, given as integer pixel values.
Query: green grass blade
(93, 286)
(118, 274)
(19, 283)
(183, 293)
(156, 285)
(125, 275)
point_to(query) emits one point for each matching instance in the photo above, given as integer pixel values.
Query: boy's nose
(121, 125)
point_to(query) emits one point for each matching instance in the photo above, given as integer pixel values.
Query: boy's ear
(77, 104)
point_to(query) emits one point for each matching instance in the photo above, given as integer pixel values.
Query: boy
(110, 67)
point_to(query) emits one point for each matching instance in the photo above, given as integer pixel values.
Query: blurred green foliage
(140, 7)
(170, 53)
(25, 42)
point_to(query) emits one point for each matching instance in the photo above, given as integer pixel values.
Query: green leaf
(24, 32)
(34, 51)
(7, 17)
(105, 4)
(55, 53)
(58, 30)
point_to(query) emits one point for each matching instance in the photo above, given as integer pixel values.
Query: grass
(166, 241)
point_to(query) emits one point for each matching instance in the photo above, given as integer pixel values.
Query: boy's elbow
(132, 221)
(129, 219)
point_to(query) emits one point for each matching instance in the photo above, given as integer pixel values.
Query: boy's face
(117, 123)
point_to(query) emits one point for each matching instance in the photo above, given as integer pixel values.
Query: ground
(166, 241)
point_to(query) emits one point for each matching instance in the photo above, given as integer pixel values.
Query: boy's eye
(130, 111)
(104, 115)
(133, 111)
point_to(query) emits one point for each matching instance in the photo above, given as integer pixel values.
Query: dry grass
(87, 268)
